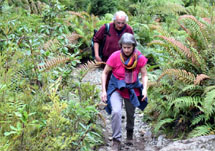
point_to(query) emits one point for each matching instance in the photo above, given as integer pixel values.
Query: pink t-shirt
(118, 70)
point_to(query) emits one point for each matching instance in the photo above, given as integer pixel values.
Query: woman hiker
(125, 65)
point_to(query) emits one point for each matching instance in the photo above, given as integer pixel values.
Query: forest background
(45, 106)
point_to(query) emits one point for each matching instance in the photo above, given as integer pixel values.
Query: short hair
(128, 38)
(120, 14)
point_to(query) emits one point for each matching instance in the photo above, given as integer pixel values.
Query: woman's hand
(144, 93)
(98, 59)
(145, 81)
(104, 96)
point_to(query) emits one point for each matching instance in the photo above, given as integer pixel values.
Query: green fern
(185, 63)
(161, 43)
(170, 97)
(181, 62)
(185, 103)
(200, 130)
(201, 62)
(194, 28)
(186, 87)
(200, 78)
(209, 103)
(90, 65)
(198, 119)
(162, 123)
(178, 46)
(49, 64)
(192, 89)
(209, 88)
(52, 45)
(181, 75)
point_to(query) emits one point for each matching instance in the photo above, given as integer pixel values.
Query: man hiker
(116, 29)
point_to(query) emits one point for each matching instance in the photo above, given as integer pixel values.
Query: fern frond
(152, 84)
(180, 63)
(200, 78)
(72, 38)
(191, 89)
(209, 20)
(200, 131)
(194, 28)
(162, 123)
(209, 103)
(55, 44)
(159, 29)
(191, 18)
(76, 14)
(85, 14)
(183, 103)
(51, 45)
(199, 58)
(184, 50)
(102, 118)
(52, 63)
(54, 87)
(192, 42)
(161, 43)
(170, 98)
(198, 119)
(155, 27)
(209, 88)
(181, 75)
(157, 42)
(91, 65)
(184, 64)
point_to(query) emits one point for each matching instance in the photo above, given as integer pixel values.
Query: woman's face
(127, 49)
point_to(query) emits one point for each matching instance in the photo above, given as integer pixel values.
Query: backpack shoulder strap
(107, 28)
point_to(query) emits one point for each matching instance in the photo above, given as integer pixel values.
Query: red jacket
(111, 43)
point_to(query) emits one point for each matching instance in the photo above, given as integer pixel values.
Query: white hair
(120, 14)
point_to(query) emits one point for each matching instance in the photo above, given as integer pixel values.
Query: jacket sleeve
(99, 35)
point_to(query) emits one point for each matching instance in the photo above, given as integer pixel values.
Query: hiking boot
(116, 145)
(130, 134)
(129, 139)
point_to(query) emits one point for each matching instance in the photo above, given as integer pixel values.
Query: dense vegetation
(44, 105)
(185, 89)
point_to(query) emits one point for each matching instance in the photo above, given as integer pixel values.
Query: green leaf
(9, 133)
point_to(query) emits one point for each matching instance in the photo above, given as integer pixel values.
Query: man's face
(120, 22)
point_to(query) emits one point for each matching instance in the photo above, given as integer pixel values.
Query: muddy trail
(143, 137)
